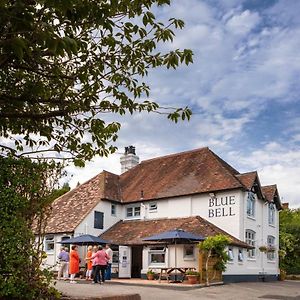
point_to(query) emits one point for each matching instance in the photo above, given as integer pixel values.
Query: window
(251, 204)
(113, 209)
(271, 214)
(153, 207)
(230, 254)
(49, 243)
(115, 258)
(241, 255)
(157, 255)
(133, 211)
(188, 251)
(271, 248)
(250, 240)
(64, 238)
(98, 220)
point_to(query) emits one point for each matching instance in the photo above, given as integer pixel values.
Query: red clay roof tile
(133, 232)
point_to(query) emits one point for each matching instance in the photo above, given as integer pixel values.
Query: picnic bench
(166, 272)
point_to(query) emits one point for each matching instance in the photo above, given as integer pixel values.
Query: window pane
(157, 258)
(230, 254)
(137, 211)
(113, 209)
(129, 212)
(49, 243)
(189, 250)
(98, 220)
(153, 206)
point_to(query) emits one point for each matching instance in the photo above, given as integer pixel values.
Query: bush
(24, 192)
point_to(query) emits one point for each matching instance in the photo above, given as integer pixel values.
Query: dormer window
(251, 205)
(271, 213)
(133, 211)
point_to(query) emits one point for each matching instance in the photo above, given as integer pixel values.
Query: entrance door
(137, 261)
(124, 262)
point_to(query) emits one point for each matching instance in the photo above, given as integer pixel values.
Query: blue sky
(243, 88)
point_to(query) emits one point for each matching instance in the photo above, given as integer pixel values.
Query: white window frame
(271, 214)
(152, 207)
(251, 205)
(113, 207)
(240, 255)
(49, 239)
(250, 238)
(271, 243)
(136, 211)
(157, 250)
(188, 256)
(230, 254)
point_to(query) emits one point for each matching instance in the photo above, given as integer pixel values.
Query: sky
(243, 89)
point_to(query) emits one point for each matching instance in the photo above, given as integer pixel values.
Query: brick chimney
(129, 159)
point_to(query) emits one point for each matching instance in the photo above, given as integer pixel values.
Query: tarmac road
(280, 290)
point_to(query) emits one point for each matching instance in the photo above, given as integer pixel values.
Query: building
(196, 191)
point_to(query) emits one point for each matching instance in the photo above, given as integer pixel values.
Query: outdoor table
(166, 272)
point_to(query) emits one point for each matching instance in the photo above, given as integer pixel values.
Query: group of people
(98, 263)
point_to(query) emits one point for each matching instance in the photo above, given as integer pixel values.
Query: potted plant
(150, 275)
(282, 275)
(192, 276)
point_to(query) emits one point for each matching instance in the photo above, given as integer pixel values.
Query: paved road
(287, 290)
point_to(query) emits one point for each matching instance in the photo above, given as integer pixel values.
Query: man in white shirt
(109, 252)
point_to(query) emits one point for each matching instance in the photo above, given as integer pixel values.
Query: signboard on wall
(221, 206)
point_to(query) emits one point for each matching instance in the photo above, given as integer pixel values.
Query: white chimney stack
(129, 159)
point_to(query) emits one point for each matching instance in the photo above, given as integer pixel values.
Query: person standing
(100, 259)
(74, 263)
(63, 257)
(95, 249)
(109, 252)
(89, 263)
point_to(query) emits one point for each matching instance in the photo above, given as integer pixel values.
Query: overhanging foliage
(65, 63)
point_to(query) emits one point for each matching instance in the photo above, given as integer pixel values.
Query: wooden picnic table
(167, 271)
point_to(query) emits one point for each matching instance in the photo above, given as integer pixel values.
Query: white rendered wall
(87, 225)
(170, 258)
(52, 259)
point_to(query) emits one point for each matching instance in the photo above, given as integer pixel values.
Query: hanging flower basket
(263, 249)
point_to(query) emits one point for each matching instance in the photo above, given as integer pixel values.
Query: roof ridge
(225, 166)
(175, 154)
(77, 187)
(245, 173)
(270, 185)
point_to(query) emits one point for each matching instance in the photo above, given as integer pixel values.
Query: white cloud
(243, 23)
(246, 66)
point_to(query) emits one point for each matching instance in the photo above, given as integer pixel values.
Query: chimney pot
(129, 159)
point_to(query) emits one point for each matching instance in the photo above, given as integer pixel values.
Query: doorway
(136, 261)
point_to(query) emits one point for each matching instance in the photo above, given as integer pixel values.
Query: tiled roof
(133, 232)
(271, 194)
(191, 172)
(247, 179)
(69, 210)
(186, 173)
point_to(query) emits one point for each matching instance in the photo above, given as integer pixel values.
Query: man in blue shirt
(63, 258)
